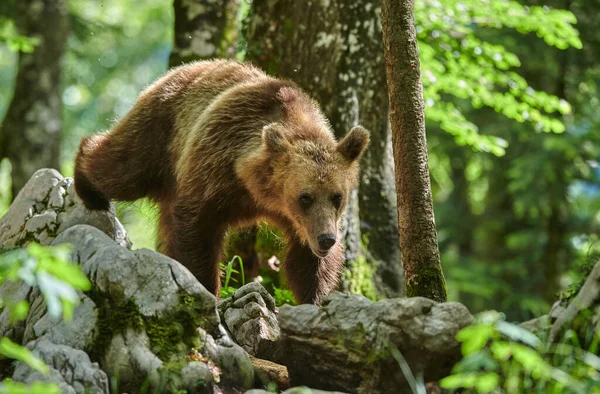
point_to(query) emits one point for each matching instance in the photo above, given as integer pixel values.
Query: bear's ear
(354, 143)
(274, 139)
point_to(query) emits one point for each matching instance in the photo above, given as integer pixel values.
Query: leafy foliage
(227, 289)
(48, 268)
(230, 283)
(523, 220)
(17, 352)
(283, 296)
(117, 49)
(457, 62)
(360, 277)
(10, 387)
(502, 357)
(15, 41)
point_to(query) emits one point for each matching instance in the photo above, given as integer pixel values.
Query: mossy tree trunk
(418, 237)
(201, 27)
(334, 51)
(30, 133)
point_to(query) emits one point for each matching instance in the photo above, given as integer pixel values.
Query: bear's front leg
(312, 278)
(195, 240)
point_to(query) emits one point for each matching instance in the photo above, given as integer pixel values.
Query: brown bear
(220, 144)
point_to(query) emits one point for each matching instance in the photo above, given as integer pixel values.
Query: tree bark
(333, 50)
(200, 30)
(30, 134)
(418, 238)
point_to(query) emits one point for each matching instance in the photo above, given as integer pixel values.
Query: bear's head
(310, 177)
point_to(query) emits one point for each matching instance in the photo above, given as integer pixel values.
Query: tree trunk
(30, 134)
(418, 239)
(334, 51)
(555, 252)
(200, 30)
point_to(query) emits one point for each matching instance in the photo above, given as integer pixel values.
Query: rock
(345, 344)
(147, 321)
(196, 378)
(251, 316)
(149, 311)
(128, 356)
(15, 292)
(70, 368)
(234, 363)
(48, 205)
(154, 282)
(79, 333)
(582, 312)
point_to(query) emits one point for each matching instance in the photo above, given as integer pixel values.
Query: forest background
(512, 109)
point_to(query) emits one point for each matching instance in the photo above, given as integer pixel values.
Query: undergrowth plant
(48, 268)
(228, 269)
(500, 357)
(230, 284)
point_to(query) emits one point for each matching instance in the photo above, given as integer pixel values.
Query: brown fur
(219, 144)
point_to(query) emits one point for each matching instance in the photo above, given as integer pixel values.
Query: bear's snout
(326, 241)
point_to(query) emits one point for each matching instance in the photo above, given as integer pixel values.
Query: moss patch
(112, 320)
(429, 283)
(360, 277)
(171, 337)
(174, 336)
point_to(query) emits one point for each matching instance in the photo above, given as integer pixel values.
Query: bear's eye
(336, 199)
(305, 200)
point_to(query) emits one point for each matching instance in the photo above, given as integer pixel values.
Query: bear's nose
(326, 241)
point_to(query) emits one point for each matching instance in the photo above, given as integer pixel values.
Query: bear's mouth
(321, 253)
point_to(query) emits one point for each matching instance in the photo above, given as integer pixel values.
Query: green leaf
(18, 310)
(487, 382)
(10, 387)
(501, 350)
(67, 272)
(12, 350)
(461, 380)
(474, 337)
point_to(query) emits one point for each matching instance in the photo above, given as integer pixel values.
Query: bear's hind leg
(312, 278)
(118, 166)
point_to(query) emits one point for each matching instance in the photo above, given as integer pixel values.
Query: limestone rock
(46, 206)
(155, 283)
(345, 344)
(147, 321)
(78, 333)
(128, 356)
(233, 362)
(70, 368)
(15, 292)
(196, 377)
(149, 311)
(251, 316)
